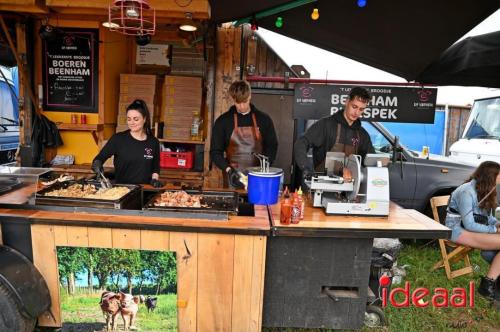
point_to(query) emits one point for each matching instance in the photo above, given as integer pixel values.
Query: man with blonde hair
(239, 133)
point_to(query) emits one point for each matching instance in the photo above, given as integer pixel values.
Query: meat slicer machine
(360, 191)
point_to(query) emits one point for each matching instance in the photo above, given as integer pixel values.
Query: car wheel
(11, 318)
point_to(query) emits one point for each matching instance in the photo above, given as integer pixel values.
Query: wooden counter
(220, 263)
(401, 223)
(300, 259)
(9, 203)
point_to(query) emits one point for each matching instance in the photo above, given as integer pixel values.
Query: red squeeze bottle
(295, 209)
(286, 210)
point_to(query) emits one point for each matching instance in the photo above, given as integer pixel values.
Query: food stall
(267, 274)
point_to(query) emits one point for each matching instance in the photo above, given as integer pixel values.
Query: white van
(481, 138)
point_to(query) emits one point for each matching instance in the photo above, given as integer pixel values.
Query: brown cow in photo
(110, 306)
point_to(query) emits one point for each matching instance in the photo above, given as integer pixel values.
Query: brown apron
(347, 149)
(244, 141)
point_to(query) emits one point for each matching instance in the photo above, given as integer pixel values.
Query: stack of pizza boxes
(181, 104)
(132, 87)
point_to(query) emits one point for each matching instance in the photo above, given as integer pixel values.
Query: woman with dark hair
(136, 151)
(471, 218)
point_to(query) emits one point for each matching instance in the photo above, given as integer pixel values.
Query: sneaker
(487, 288)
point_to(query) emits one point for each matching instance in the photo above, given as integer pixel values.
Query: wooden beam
(164, 8)
(19, 2)
(25, 6)
(25, 109)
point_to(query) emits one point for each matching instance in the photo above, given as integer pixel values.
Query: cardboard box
(176, 132)
(174, 90)
(122, 108)
(128, 98)
(183, 81)
(171, 101)
(177, 121)
(136, 79)
(138, 90)
(179, 111)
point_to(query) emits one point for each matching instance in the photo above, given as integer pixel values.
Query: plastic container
(263, 187)
(182, 160)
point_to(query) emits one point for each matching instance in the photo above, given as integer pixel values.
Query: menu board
(70, 71)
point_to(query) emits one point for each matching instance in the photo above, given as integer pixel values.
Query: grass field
(81, 313)
(420, 260)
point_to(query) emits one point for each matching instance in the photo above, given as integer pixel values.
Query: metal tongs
(104, 181)
(264, 162)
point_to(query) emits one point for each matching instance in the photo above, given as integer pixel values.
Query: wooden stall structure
(85, 131)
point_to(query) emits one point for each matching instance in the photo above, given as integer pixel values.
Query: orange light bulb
(315, 14)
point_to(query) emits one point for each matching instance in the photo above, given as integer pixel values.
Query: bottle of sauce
(295, 209)
(195, 127)
(301, 202)
(286, 210)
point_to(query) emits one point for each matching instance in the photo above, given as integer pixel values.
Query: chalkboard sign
(70, 71)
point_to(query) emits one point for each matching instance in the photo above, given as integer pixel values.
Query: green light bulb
(279, 22)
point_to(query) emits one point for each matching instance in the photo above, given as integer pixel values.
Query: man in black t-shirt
(340, 132)
(240, 132)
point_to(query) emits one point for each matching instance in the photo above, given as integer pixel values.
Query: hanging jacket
(44, 134)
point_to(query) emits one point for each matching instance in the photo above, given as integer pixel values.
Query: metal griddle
(132, 200)
(219, 202)
(8, 184)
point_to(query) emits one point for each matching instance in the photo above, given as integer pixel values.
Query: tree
(130, 266)
(70, 262)
(90, 263)
(163, 269)
(106, 262)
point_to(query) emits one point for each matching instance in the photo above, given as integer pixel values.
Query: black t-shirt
(321, 137)
(223, 129)
(135, 161)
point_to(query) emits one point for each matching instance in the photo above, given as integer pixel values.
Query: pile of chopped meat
(78, 190)
(179, 199)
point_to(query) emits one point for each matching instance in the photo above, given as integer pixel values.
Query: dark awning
(397, 36)
(230, 10)
(474, 61)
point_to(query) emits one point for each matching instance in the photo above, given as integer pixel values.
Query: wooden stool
(450, 251)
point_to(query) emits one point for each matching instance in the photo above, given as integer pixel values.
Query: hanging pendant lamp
(132, 17)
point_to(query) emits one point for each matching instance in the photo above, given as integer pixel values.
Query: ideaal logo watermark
(423, 297)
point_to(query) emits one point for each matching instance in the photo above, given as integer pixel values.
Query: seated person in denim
(470, 217)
